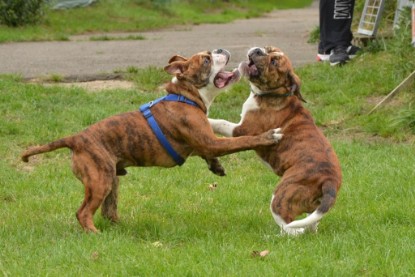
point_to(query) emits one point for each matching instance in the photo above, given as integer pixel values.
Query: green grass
(133, 16)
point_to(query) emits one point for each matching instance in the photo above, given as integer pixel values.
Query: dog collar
(272, 94)
(145, 110)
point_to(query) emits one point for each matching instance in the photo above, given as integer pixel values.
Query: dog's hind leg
(109, 206)
(313, 227)
(281, 222)
(96, 190)
(97, 175)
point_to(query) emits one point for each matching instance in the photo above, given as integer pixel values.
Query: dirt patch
(392, 102)
(95, 86)
(93, 83)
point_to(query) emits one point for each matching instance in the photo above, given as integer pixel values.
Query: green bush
(21, 12)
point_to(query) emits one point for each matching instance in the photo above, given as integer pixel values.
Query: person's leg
(335, 27)
(324, 10)
(335, 23)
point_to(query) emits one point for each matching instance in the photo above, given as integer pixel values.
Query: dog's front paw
(216, 167)
(313, 228)
(243, 69)
(273, 136)
(277, 135)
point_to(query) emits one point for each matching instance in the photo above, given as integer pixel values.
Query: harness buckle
(147, 113)
(181, 98)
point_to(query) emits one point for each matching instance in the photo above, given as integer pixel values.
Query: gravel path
(286, 29)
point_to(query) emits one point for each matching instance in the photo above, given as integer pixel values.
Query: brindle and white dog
(102, 152)
(310, 170)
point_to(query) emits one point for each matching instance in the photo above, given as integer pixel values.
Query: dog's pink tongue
(223, 78)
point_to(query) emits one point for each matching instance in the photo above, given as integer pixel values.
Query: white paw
(277, 135)
(313, 227)
(243, 68)
(292, 231)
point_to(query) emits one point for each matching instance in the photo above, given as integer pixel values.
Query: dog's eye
(274, 62)
(206, 61)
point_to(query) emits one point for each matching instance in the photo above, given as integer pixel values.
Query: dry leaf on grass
(157, 244)
(94, 256)
(261, 254)
(213, 186)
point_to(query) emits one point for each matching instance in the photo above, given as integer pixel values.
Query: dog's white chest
(249, 105)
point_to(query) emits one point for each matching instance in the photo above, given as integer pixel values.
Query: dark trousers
(335, 23)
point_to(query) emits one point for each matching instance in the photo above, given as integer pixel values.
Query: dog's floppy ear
(177, 67)
(295, 85)
(176, 58)
(272, 49)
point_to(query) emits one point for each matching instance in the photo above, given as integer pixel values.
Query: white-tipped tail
(305, 222)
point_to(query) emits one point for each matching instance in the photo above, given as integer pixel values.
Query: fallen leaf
(260, 253)
(157, 244)
(213, 186)
(94, 256)
(264, 253)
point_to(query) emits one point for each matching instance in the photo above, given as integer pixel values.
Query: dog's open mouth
(249, 68)
(224, 78)
(252, 69)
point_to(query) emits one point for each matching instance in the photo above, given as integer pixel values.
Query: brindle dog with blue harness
(162, 133)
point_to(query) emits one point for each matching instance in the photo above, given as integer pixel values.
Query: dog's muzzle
(224, 52)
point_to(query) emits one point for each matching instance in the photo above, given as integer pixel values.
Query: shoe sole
(322, 57)
(339, 63)
(326, 58)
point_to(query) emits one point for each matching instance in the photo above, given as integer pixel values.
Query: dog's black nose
(224, 52)
(256, 52)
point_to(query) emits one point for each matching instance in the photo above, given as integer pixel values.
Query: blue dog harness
(145, 110)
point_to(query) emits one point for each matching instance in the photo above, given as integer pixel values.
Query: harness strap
(145, 110)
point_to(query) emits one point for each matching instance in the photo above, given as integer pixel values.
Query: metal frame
(370, 19)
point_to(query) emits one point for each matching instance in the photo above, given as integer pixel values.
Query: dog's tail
(328, 199)
(34, 150)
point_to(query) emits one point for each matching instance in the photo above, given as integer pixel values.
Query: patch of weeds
(132, 69)
(109, 38)
(399, 44)
(148, 79)
(162, 6)
(61, 37)
(55, 78)
(101, 38)
(405, 118)
(12, 77)
(404, 57)
(118, 71)
(314, 36)
(135, 37)
(21, 12)
(8, 197)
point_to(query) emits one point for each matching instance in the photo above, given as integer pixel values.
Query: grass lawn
(173, 224)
